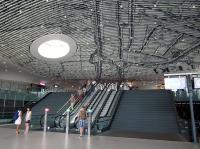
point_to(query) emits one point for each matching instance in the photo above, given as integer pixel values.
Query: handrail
(80, 102)
(100, 96)
(115, 107)
(96, 98)
(100, 110)
(98, 101)
(34, 103)
(63, 106)
(49, 115)
(104, 117)
(115, 93)
(116, 103)
(111, 104)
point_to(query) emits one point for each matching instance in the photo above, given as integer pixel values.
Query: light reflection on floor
(36, 140)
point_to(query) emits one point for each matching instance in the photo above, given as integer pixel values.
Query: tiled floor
(36, 140)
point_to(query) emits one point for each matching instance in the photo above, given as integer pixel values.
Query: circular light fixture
(53, 47)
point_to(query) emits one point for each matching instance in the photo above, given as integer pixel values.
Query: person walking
(82, 118)
(27, 120)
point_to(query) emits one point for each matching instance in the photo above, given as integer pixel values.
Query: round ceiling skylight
(53, 47)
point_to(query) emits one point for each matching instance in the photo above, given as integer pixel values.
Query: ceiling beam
(174, 42)
(131, 25)
(179, 57)
(173, 17)
(168, 28)
(146, 39)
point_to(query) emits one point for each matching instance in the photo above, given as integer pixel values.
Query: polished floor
(37, 140)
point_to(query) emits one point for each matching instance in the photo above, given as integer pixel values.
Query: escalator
(56, 121)
(95, 104)
(108, 104)
(104, 118)
(98, 106)
(79, 104)
(74, 113)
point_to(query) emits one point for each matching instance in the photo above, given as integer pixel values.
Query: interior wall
(20, 76)
(12, 72)
(13, 85)
(147, 84)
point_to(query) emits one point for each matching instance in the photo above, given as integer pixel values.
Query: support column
(67, 122)
(89, 122)
(45, 120)
(194, 133)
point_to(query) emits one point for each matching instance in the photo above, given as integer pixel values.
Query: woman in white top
(18, 121)
(27, 120)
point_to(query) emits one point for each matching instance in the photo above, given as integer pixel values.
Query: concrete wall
(11, 71)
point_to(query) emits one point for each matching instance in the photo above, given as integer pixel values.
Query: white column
(45, 119)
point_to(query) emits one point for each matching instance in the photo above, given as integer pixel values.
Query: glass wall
(10, 101)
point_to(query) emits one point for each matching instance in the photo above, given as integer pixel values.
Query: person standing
(27, 120)
(72, 101)
(82, 118)
(18, 120)
(80, 94)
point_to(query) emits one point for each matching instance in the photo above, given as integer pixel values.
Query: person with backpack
(18, 120)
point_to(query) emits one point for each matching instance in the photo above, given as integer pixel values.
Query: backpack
(16, 115)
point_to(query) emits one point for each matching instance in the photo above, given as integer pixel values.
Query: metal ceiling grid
(115, 38)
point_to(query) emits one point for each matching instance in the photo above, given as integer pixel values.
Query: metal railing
(103, 123)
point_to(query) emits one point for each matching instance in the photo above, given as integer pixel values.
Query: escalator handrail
(92, 103)
(114, 109)
(58, 112)
(96, 102)
(100, 110)
(76, 109)
(106, 99)
(34, 103)
(78, 104)
(71, 114)
(100, 96)
(75, 106)
(96, 99)
(74, 112)
(115, 93)
(41, 117)
(111, 104)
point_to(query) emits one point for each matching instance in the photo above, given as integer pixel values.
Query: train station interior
(99, 74)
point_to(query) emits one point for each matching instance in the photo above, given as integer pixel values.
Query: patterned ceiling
(116, 39)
